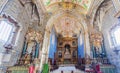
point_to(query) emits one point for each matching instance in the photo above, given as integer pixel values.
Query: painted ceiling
(67, 26)
(84, 3)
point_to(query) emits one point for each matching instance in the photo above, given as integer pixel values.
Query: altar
(67, 68)
(66, 51)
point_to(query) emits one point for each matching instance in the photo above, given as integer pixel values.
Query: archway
(46, 42)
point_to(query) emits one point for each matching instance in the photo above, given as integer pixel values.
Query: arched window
(115, 35)
(5, 31)
(8, 32)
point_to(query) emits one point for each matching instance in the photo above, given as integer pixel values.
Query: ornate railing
(18, 69)
(108, 69)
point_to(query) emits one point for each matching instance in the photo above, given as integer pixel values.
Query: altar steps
(76, 71)
(67, 69)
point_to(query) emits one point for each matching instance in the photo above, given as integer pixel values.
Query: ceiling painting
(67, 26)
(84, 3)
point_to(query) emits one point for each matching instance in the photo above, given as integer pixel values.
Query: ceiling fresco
(67, 26)
(84, 3)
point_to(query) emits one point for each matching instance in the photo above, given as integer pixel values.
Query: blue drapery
(93, 51)
(103, 48)
(24, 47)
(37, 50)
(80, 46)
(53, 44)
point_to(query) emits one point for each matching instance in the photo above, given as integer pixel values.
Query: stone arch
(46, 41)
(100, 13)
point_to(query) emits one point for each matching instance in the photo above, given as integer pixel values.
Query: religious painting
(67, 26)
(74, 54)
(74, 43)
(60, 43)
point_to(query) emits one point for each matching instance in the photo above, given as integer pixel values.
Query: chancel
(59, 36)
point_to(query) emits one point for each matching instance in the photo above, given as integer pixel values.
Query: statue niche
(67, 52)
(97, 45)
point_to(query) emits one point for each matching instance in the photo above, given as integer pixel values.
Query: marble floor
(67, 69)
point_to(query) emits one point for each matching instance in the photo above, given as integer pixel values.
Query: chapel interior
(59, 36)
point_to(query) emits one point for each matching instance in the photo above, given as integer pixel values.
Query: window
(117, 36)
(5, 31)
(9, 29)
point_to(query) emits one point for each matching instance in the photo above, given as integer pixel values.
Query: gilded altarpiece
(67, 51)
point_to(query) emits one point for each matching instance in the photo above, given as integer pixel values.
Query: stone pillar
(87, 50)
(87, 44)
(44, 57)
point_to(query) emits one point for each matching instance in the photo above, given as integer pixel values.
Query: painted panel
(83, 3)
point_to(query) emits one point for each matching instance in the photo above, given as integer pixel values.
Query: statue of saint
(67, 54)
(30, 47)
(67, 51)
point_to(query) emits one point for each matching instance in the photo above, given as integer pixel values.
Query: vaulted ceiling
(67, 26)
(84, 3)
(81, 10)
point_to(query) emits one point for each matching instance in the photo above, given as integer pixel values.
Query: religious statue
(97, 45)
(67, 51)
(30, 47)
(67, 54)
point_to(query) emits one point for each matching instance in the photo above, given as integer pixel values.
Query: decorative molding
(94, 6)
(4, 2)
(10, 20)
(101, 11)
